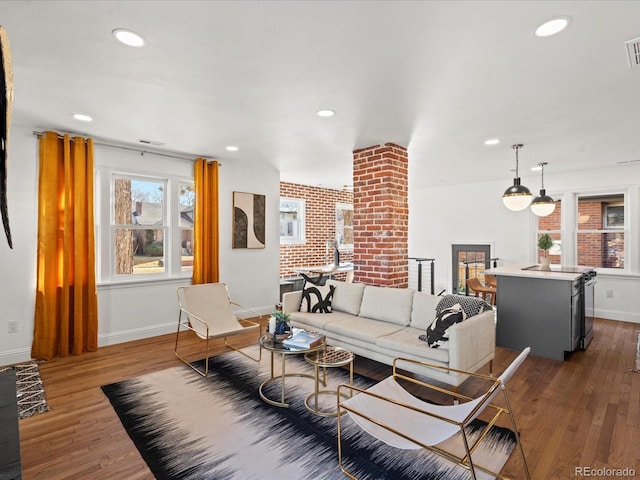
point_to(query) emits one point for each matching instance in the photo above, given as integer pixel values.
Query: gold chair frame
(496, 385)
(217, 320)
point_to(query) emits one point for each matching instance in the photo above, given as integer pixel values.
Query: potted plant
(545, 242)
(282, 322)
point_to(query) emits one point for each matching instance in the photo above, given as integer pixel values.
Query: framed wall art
(248, 220)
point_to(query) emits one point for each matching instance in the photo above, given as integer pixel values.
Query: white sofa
(383, 323)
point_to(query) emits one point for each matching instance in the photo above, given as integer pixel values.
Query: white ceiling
(439, 77)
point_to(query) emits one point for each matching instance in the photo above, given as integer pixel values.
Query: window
(551, 224)
(601, 231)
(138, 225)
(292, 224)
(185, 224)
(344, 225)
(149, 227)
(469, 261)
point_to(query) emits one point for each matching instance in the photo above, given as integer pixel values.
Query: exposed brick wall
(320, 219)
(381, 215)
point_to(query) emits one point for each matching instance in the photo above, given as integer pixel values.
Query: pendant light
(517, 197)
(543, 204)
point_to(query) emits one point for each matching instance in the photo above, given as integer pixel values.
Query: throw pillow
(316, 298)
(437, 333)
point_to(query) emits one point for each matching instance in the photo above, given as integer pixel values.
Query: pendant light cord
(517, 147)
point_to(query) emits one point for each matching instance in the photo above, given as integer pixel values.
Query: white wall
(18, 278)
(473, 213)
(130, 311)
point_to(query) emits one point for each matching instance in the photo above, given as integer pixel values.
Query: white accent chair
(390, 413)
(206, 310)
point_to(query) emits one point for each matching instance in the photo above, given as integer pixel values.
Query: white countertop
(515, 270)
(326, 269)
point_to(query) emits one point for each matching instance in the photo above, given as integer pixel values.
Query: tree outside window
(139, 225)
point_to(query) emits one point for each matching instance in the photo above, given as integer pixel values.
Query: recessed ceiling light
(325, 113)
(82, 117)
(553, 26)
(492, 141)
(232, 148)
(128, 37)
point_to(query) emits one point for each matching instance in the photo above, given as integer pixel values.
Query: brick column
(381, 215)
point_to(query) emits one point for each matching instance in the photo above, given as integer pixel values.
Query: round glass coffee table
(329, 357)
(266, 342)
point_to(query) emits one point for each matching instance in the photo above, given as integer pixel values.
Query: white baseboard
(135, 334)
(12, 357)
(617, 315)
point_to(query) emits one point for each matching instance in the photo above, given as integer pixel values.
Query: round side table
(328, 358)
(266, 342)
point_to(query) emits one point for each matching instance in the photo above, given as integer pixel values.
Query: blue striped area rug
(189, 427)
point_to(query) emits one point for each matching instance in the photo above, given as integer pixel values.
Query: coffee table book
(304, 340)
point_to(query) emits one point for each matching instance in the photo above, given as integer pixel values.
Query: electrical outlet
(13, 326)
(609, 294)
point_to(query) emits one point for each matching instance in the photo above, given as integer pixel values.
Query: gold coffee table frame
(266, 342)
(327, 358)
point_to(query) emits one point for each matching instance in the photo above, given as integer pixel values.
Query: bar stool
(480, 290)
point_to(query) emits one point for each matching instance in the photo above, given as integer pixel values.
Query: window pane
(187, 200)
(186, 252)
(344, 224)
(601, 249)
(292, 228)
(139, 251)
(289, 219)
(552, 225)
(614, 216)
(147, 198)
(138, 202)
(600, 236)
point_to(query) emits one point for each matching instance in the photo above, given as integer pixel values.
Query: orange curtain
(66, 312)
(205, 228)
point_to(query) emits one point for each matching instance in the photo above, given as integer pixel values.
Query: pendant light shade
(517, 197)
(543, 204)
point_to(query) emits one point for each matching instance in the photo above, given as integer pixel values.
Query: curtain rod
(108, 143)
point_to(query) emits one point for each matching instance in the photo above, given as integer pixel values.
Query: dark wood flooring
(580, 413)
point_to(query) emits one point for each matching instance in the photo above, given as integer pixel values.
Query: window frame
(343, 206)
(105, 226)
(301, 238)
(604, 229)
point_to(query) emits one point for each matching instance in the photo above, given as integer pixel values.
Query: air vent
(152, 142)
(633, 51)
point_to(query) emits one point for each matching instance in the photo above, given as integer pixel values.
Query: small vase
(545, 263)
(281, 328)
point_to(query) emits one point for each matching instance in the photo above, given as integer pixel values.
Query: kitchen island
(541, 309)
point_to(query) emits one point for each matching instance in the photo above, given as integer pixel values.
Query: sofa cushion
(387, 304)
(313, 321)
(424, 310)
(362, 329)
(316, 298)
(347, 297)
(406, 342)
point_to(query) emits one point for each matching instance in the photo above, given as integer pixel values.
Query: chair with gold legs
(390, 413)
(206, 310)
